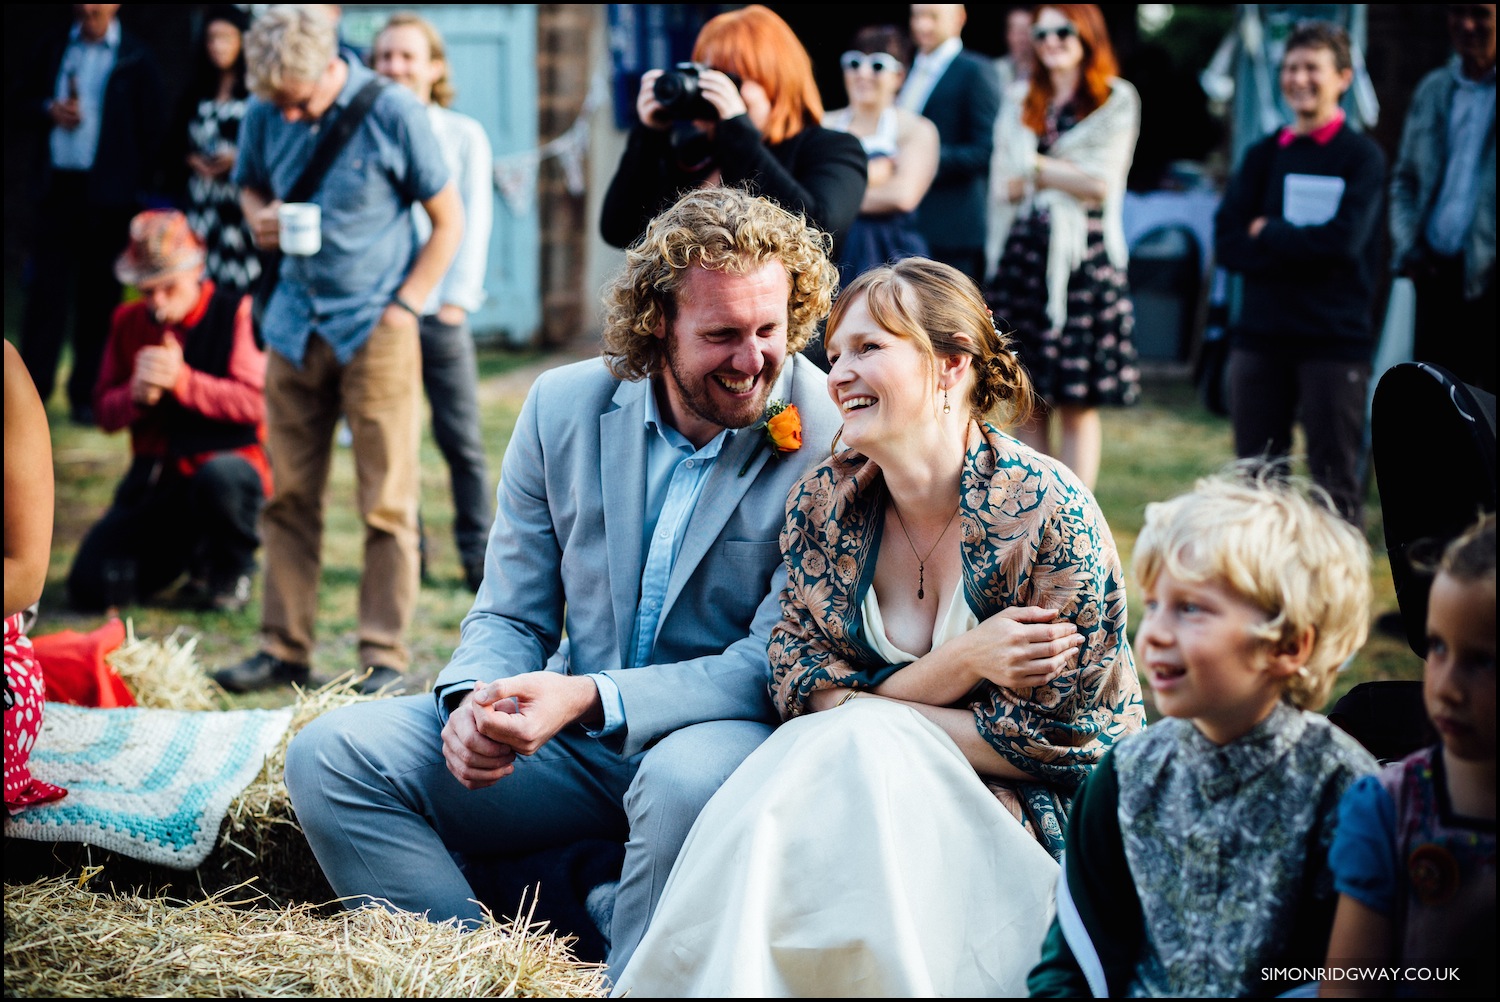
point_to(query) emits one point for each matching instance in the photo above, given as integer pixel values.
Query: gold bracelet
(847, 696)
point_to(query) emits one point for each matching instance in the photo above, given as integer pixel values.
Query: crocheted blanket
(154, 785)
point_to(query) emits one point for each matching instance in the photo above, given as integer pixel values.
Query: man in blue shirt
(640, 505)
(342, 333)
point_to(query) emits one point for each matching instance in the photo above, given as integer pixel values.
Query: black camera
(678, 92)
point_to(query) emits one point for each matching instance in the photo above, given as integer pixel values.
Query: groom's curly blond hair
(721, 229)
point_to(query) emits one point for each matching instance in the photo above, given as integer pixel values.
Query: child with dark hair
(1414, 861)
(1298, 223)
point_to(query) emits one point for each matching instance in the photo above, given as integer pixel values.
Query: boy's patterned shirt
(1226, 845)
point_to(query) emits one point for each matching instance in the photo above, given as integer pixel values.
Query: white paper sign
(1311, 199)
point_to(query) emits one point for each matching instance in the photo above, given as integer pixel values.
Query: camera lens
(680, 97)
(669, 87)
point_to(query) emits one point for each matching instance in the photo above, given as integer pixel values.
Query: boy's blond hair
(1277, 543)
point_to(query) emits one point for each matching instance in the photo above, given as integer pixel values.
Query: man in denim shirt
(1443, 202)
(342, 329)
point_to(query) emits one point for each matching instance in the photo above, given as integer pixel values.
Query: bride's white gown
(855, 853)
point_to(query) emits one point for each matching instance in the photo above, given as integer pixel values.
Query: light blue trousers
(382, 812)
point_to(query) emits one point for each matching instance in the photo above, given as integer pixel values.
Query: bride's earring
(946, 408)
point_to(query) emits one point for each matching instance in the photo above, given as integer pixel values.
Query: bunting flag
(516, 173)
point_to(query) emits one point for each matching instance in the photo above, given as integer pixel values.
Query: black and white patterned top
(214, 203)
(1226, 845)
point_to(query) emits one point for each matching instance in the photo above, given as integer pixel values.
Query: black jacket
(963, 105)
(1308, 290)
(818, 172)
(131, 132)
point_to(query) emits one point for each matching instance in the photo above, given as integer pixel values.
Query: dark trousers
(1267, 394)
(162, 524)
(71, 276)
(450, 375)
(1451, 331)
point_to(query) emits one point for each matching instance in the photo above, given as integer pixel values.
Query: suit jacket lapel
(622, 480)
(938, 98)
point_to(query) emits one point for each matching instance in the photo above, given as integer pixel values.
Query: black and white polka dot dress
(214, 203)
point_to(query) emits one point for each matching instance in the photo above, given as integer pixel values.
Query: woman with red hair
(1060, 280)
(758, 128)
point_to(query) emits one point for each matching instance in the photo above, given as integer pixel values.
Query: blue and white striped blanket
(154, 785)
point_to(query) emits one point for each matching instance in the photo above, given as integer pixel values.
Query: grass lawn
(1151, 452)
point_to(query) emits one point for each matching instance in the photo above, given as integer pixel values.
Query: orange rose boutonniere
(783, 432)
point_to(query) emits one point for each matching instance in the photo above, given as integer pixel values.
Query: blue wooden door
(492, 59)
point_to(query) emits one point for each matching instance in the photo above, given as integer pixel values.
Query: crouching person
(182, 371)
(1197, 861)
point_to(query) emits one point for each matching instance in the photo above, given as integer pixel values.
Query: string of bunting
(516, 173)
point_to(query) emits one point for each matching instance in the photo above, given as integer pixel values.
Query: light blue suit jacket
(565, 557)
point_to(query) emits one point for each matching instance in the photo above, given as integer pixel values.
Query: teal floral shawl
(1032, 535)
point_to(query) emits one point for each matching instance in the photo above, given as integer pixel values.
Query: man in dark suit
(959, 92)
(98, 97)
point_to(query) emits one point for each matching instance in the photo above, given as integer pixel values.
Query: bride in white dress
(952, 661)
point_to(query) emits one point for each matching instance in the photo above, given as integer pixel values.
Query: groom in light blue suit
(613, 671)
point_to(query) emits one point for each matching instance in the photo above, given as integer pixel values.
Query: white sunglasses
(875, 62)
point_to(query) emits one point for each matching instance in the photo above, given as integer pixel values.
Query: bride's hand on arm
(1019, 648)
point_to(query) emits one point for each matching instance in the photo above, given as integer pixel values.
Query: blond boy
(1197, 850)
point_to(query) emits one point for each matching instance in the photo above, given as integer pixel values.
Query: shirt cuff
(613, 703)
(450, 696)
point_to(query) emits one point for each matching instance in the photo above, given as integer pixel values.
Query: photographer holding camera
(745, 113)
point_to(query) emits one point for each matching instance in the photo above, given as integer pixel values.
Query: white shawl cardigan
(1101, 145)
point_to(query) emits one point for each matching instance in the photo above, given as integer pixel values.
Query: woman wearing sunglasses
(902, 147)
(1060, 279)
(762, 133)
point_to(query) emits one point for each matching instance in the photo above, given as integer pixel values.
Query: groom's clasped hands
(512, 716)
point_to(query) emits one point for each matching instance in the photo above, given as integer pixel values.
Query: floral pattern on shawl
(1032, 535)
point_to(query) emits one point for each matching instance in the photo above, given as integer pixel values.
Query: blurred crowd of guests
(1013, 170)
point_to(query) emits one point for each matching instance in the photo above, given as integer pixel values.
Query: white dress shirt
(926, 70)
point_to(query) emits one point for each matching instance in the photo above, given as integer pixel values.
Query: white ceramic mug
(301, 228)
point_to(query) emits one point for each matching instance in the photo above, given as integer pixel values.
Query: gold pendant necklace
(921, 560)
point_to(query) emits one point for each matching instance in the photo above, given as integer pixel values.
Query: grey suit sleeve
(733, 685)
(516, 622)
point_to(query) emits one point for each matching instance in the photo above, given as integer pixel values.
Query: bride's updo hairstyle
(940, 308)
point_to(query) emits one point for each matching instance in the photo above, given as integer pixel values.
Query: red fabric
(1322, 135)
(76, 671)
(238, 397)
(25, 693)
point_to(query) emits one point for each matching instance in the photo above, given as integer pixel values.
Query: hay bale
(65, 940)
(261, 837)
(163, 673)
